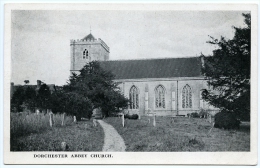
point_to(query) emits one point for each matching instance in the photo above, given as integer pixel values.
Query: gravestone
(63, 146)
(62, 119)
(51, 119)
(94, 122)
(123, 120)
(154, 121)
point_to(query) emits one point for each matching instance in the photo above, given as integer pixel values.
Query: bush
(133, 117)
(226, 120)
(194, 115)
(203, 113)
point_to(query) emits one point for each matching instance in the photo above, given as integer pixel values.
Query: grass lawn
(27, 136)
(183, 134)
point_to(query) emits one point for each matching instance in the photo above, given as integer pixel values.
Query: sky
(40, 47)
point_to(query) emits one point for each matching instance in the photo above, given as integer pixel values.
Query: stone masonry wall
(171, 96)
(96, 51)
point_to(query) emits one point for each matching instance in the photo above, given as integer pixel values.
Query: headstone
(154, 121)
(63, 146)
(123, 120)
(172, 119)
(94, 122)
(37, 111)
(51, 119)
(62, 119)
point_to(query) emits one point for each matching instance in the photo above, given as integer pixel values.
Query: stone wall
(173, 95)
(97, 50)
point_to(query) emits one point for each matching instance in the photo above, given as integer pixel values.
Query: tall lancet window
(134, 99)
(160, 97)
(85, 54)
(186, 97)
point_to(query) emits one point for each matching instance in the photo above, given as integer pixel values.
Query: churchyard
(180, 134)
(33, 133)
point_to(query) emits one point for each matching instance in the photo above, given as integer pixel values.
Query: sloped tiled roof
(154, 68)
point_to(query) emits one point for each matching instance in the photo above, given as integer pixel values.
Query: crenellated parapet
(89, 41)
(82, 40)
(104, 44)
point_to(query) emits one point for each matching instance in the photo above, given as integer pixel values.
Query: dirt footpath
(113, 141)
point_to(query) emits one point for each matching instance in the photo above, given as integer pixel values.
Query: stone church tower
(86, 50)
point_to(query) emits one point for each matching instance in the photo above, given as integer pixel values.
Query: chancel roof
(154, 68)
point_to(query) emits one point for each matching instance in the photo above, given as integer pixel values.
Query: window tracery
(160, 97)
(186, 97)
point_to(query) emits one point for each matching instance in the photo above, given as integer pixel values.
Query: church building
(166, 86)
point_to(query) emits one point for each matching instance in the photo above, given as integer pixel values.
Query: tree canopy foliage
(17, 99)
(228, 72)
(92, 88)
(97, 85)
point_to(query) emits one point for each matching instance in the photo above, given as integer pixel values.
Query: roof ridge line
(151, 58)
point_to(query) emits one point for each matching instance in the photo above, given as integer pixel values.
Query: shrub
(203, 113)
(194, 115)
(226, 120)
(133, 117)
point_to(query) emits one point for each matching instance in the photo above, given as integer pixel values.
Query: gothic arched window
(134, 99)
(160, 97)
(85, 54)
(186, 97)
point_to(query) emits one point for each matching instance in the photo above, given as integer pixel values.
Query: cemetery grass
(183, 134)
(33, 133)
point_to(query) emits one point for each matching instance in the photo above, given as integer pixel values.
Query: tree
(228, 72)
(29, 98)
(17, 99)
(26, 82)
(43, 98)
(97, 86)
(71, 103)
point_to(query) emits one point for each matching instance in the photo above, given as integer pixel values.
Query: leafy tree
(228, 72)
(26, 82)
(30, 98)
(97, 85)
(71, 103)
(43, 98)
(17, 99)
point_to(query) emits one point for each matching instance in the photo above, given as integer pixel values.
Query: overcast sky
(41, 39)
